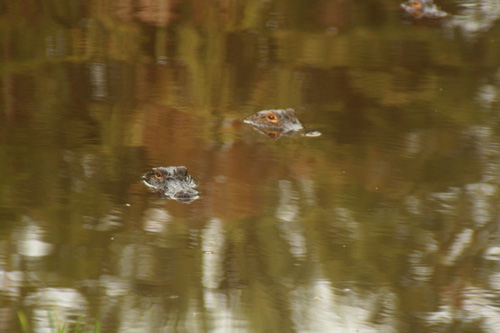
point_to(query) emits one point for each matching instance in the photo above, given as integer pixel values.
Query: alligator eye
(416, 4)
(272, 117)
(158, 174)
(272, 135)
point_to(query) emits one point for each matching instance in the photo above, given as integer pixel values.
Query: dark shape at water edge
(276, 123)
(423, 9)
(173, 182)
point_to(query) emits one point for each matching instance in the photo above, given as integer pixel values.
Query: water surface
(387, 222)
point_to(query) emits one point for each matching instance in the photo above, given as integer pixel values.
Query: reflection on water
(387, 222)
(68, 302)
(30, 243)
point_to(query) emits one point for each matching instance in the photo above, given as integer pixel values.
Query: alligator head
(275, 123)
(173, 182)
(423, 9)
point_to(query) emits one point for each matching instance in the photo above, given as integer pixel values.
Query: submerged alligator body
(423, 9)
(276, 123)
(173, 182)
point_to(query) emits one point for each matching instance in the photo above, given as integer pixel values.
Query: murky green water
(387, 222)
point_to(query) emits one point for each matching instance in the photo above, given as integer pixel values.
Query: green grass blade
(23, 321)
(78, 326)
(97, 327)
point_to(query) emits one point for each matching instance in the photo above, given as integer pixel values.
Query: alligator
(173, 182)
(423, 9)
(276, 123)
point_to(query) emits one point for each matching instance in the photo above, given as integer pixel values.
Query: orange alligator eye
(416, 4)
(158, 174)
(272, 135)
(272, 117)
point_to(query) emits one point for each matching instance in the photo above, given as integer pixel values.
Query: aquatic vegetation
(56, 326)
